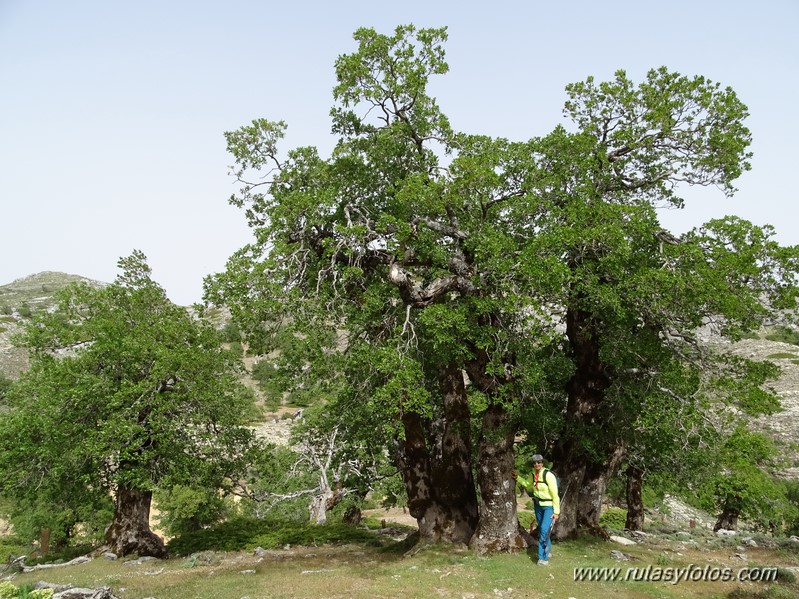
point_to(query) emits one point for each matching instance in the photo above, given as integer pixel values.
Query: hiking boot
(543, 562)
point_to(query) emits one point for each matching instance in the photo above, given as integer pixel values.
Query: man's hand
(555, 517)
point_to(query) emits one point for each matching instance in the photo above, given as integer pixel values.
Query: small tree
(126, 393)
(740, 484)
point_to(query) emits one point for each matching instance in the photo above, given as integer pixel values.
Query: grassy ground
(373, 566)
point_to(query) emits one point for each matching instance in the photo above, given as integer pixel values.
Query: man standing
(543, 487)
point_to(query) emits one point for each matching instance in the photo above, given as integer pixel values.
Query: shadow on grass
(246, 534)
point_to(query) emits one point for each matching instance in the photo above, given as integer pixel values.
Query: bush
(269, 382)
(614, 518)
(792, 493)
(236, 349)
(9, 591)
(184, 509)
(82, 522)
(230, 333)
(10, 547)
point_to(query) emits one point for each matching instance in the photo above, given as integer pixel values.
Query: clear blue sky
(112, 113)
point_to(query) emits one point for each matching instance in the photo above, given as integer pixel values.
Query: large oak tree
(126, 392)
(465, 286)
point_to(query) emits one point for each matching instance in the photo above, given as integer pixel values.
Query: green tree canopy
(461, 284)
(126, 392)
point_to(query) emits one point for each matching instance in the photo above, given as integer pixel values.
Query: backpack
(545, 471)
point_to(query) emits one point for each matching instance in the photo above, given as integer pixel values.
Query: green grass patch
(365, 570)
(783, 335)
(781, 356)
(243, 534)
(11, 546)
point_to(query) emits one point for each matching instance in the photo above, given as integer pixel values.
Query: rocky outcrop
(782, 426)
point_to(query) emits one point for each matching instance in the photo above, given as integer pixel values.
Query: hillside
(783, 426)
(18, 300)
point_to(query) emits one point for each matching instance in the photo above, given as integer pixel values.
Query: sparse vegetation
(781, 356)
(783, 334)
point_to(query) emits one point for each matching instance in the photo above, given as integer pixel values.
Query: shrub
(9, 591)
(236, 349)
(184, 509)
(230, 333)
(12, 547)
(614, 518)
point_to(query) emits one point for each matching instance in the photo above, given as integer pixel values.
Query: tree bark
(728, 519)
(635, 498)
(497, 529)
(130, 530)
(595, 483)
(323, 503)
(583, 476)
(439, 483)
(571, 469)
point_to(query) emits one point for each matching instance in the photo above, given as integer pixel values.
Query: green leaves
(671, 128)
(415, 249)
(124, 388)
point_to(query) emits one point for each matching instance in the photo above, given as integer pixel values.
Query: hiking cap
(537, 458)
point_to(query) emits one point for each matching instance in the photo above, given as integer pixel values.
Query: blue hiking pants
(544, 515)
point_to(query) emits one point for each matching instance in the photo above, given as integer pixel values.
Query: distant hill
(36, 291)
(18, 300)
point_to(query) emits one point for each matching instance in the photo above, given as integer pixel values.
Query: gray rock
(723, 532)
(618, 555)
(78, 593)
(622, 540)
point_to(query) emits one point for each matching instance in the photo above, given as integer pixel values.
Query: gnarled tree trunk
(323, 502)
(570, 468)
(728, 519)
(595, 483)
(439, 482)
(635, 498)
(130, 530)
(498, 529)
(583, 477)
